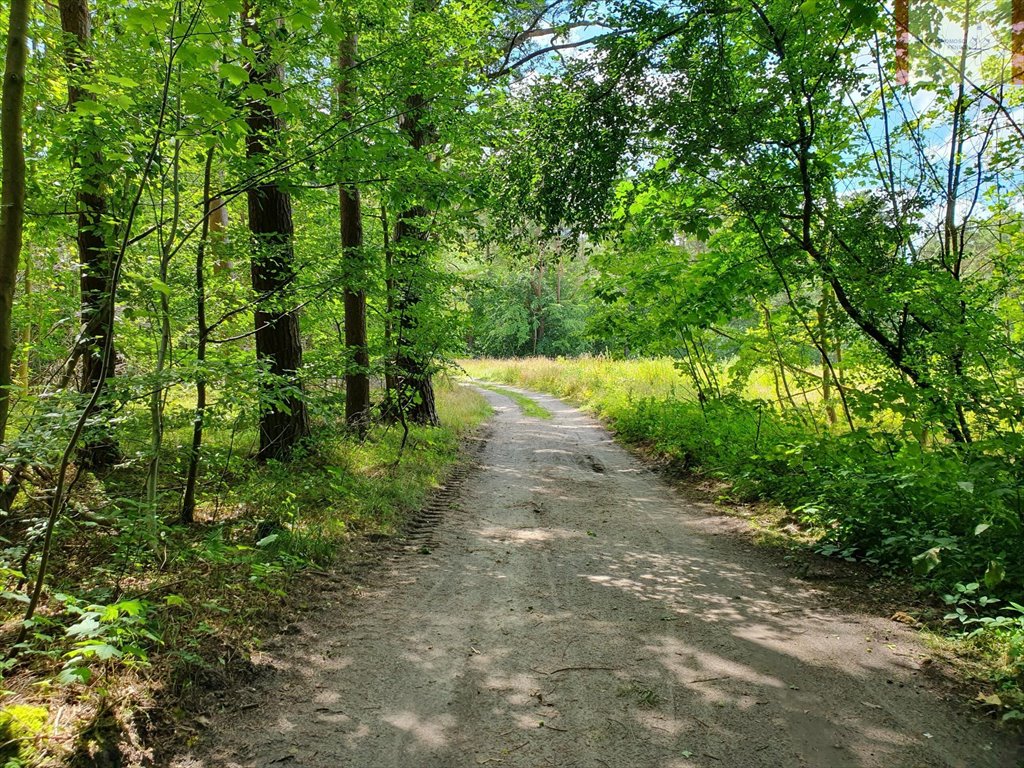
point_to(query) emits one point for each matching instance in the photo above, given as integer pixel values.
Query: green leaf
(122, 100)
(204, 54)
(102, 651)
(980, 528)
(278, 106)
(301, 20)
(130, 607)
(861, 13)
(991, 700)
(86, 627)
(89, 107)
(994, 574)
(74, 674)
(926, 561)
(234, 74)
(126, 82)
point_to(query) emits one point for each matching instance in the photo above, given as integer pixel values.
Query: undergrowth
(129, 617)
(948, 517)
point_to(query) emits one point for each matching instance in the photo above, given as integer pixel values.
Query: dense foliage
(241, 239)
(828, 247)
(786, 204)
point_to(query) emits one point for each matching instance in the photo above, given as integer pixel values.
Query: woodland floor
(569, 609)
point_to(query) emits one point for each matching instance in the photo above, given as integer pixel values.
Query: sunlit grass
(257, 526)
(528, 406)
(606, 386)
(598, 382)
(344, 485)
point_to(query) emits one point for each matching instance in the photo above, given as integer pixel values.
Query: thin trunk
(284, 420)
(781, 362)
(24, 368)
(188, 502)
(840, 372)
(357, 374)
(707, 366)
(778, 390)
(157, 397)
(691, 365)
(538, 309)
(218, 226)
(94, 253)
(952, 243)
(12, 189)
(826, 364)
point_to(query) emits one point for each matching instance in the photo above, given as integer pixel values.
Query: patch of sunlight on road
(429, 733)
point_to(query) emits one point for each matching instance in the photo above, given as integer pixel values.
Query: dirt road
(571, 611)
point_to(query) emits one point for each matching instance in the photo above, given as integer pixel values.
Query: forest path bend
(573, 612)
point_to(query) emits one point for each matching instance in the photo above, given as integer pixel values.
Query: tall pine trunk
(12, 190)
(283, 419)
(94, 253)
(357, 375)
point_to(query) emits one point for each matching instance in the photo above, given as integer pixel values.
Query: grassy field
(602, 384)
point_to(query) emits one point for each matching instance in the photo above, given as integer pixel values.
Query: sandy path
(572, 611)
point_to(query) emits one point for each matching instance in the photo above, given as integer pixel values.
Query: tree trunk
(94, 254)
(217, 223)
(537, 283)
(188, 502)
(24, 368)
(357, 374)
(12, 189)
(390, 287)
(412, 364)
(157, 398)
(283, 420)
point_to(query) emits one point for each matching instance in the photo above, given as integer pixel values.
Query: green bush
(948, 516)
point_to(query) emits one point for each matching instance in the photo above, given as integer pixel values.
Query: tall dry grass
(600, 383)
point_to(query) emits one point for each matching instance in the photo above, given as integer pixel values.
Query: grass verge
(132, 633)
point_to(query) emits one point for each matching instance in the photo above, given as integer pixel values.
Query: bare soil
(569, 609)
